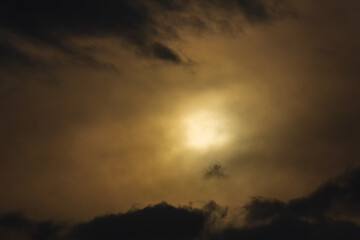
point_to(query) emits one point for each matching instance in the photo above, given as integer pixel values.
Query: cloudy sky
(219, 113)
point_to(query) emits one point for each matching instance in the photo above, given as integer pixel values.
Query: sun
(205, 129)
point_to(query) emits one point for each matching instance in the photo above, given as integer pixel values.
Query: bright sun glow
(205, 129)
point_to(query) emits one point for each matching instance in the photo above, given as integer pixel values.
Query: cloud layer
(78, 140)
(330, 212)
(146, 26)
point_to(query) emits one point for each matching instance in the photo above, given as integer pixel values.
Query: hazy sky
(107, 105)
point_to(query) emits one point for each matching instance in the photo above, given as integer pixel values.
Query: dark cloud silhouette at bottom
(331, 212)
(293, 229)
(161, 221)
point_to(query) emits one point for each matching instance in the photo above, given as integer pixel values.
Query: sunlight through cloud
(205, 129)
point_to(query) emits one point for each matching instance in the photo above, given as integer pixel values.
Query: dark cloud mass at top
(312, 217)
(145, 25)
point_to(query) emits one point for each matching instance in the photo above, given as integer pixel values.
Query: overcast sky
(112, 105)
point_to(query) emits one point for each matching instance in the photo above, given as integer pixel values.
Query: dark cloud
(161, 221)
(331, 212)
(10, 55)
(215, 171)
(295, 229)
(145, 25)
(339, 198)
(16, 226)
(317, 216)
(262, 210)
(163, 52)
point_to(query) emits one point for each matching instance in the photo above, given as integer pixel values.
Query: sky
(226, 119)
